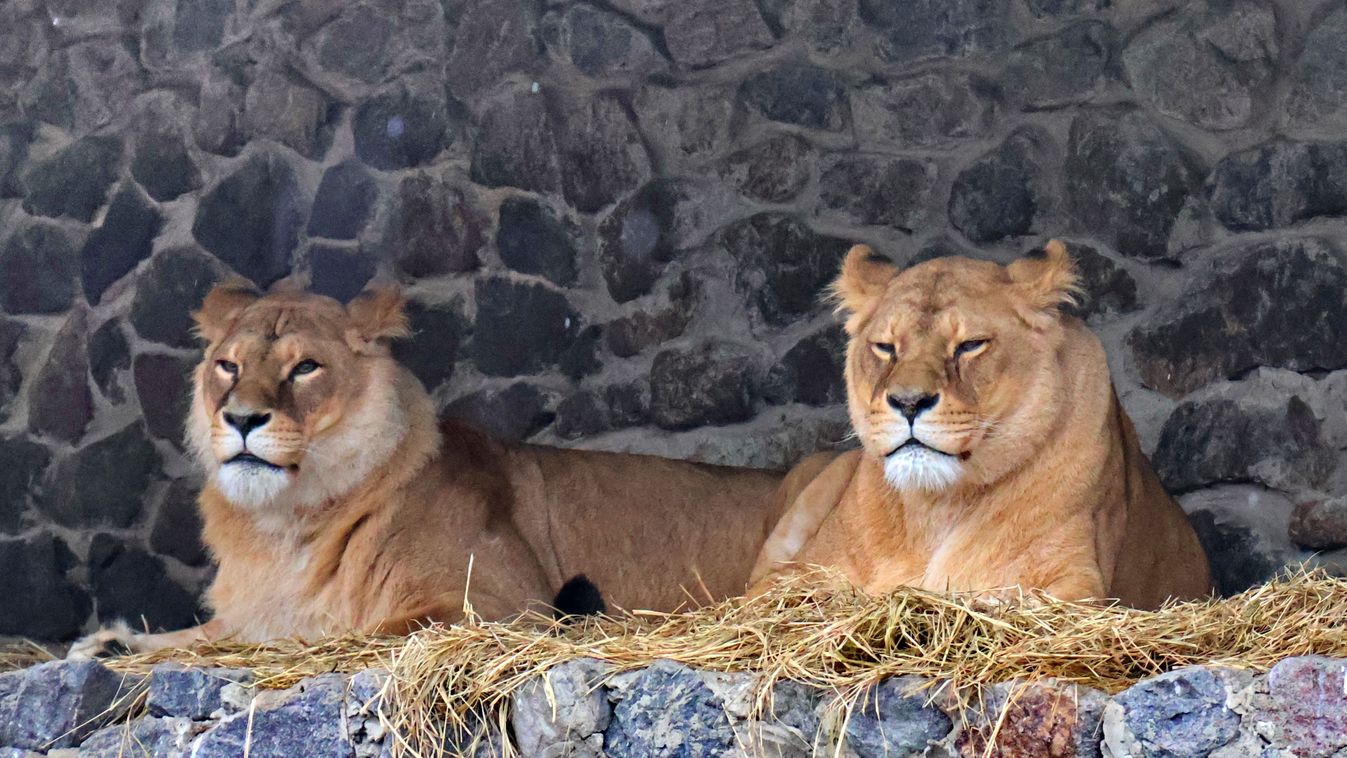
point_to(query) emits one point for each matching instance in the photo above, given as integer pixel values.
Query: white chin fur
(919, 468)
(251, 486)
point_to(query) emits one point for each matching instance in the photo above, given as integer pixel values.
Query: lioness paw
(110, 641)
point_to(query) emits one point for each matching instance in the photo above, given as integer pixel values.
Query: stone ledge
(585, 708)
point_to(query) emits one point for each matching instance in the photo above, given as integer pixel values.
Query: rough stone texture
(565, 712)
(666, 710)
(58, 704)
(308, 715)
(894, 717)
(41, 600)
(1181, 713)
(1216, 330)
(574, 193)
(191, 693)
(1042, 719)
(1320, 524)
(1305, 710)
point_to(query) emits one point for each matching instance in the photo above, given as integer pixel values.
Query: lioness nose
(913, 404)
(247, 423)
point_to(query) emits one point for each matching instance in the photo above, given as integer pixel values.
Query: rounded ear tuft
(222, 307)
(379, 313)
(864, 278)
(1047, 280)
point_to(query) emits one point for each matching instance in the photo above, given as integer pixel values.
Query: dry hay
(818, 633)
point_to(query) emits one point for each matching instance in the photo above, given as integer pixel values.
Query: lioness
(994, 451)
(335, 502)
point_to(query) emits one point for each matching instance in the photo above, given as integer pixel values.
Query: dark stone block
(515, 145)
(811, 371)
(591, 412)
(163, 166)
(1216, 330)
(894, 718)
(1279, 183)
(601, 44)
(492, 39)
(668, 712)
(931, 28)
(1001, 193)
(148, 736)
(775, 170)
(1319, 79)
(11, 376)
(60, 404)
(936, 109)
(892, 192)
(306, 719)
(199, 24)
(686, 124)
(40, 602)
(59, 703)
(1059, 8)
(581, 358)
(1320, 524)
(1234, 553)
(1206, 65)
(343, 203)
(130, 584)
(435, 229)
(629, 335)
(339, 272)
(24, 463)
(712, 383)
(404, 128)
(108, 354)
(171, 288)
(1067, 66)
(164, 386)
(783, 265)
(1179, 713)
(124, 239)
(74, 181)
(191, 693)
(512, 414)
(1109, 289)
(636, 240)
(533, 240)
(520, 328)
(704, 32)
(438, 331)
(1206, 442)
(40, 270)
(1125, 182)
(279, 108)
(251, 219)
(602, 156)
(177, 527)
(800, 94)
(360, 44)
(14, 141)
(122, 463)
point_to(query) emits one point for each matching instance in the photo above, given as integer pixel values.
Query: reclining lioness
(335, 502)
(994, 451)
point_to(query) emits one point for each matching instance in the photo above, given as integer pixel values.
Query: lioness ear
(222, 307)
(863, 280)
(1047, 281)
(375, 314)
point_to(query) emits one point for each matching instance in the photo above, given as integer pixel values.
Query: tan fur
(380, 519)
(1053, 492)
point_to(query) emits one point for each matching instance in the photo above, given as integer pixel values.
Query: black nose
(246, 424)
(913, 405)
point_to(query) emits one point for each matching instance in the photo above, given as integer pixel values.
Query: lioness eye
(303, 367)
(882, 349)
(229, 367)
(967, 347)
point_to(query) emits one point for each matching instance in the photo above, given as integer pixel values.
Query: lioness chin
(334, 502)
(994, 452)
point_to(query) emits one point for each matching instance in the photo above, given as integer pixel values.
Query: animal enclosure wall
(614, 221)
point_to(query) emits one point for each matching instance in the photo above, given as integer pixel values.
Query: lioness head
(951, 368)
(294, 400)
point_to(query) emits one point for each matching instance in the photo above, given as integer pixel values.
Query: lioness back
(994, 452)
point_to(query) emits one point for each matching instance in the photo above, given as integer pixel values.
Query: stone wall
(581, 708)
(614, 220)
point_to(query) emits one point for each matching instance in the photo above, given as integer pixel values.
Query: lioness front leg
(119, 638)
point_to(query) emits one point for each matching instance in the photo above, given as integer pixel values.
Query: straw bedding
(819, 633)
